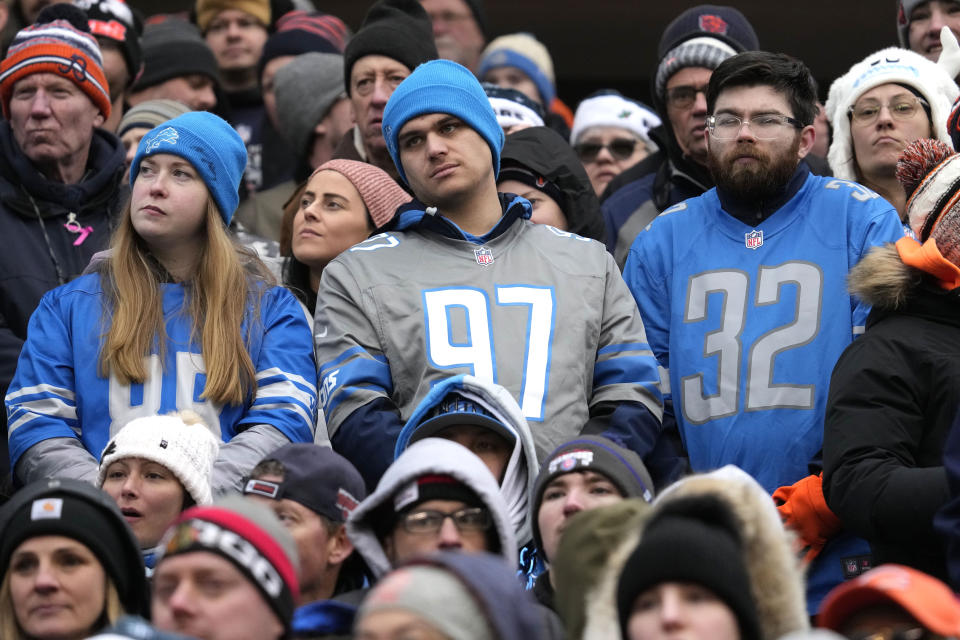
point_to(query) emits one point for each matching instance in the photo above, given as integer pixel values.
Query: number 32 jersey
(540, 311)
(750, 321)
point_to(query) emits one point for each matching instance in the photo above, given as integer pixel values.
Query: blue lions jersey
(57, 391)
(750, 321)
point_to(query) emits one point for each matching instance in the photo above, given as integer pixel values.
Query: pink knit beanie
(380, 193)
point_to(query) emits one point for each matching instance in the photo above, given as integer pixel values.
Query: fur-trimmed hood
(428, 456)
(882, 280)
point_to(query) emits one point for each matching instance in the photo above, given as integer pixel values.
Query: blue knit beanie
(441, 86)
(210, 145)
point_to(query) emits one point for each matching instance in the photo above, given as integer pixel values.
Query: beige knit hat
(207, 10)
(379, 192)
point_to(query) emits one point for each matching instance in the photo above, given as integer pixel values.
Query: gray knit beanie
(306, 89)
(150, 114)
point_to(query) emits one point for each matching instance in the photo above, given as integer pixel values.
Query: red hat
(924, 597)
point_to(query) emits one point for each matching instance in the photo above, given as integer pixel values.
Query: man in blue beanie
(462, 282)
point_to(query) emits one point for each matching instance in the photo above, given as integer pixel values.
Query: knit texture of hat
(904, 9)
(441, 86)
(435, 596)
(59, 42)
(715, 21)
(79, 511)
(115, 21)
(207, 10)
(622, 467)
(693, 539)
(151, 113)
(187, 450)
(299, 32)
(706, 52)
(381, 195)
(525, 52)
(887, 66)
(171, 49)
(250, 536)
(610, 109)
(210, 145)
(397, 29)
(316, 477)
(305, 89)
(929, 171)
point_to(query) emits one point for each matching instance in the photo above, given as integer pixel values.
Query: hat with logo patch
(115, 21)
(622, 467)
(610, 109)
(79, 511)
(251, 537)
(316, 477)
(455, 409)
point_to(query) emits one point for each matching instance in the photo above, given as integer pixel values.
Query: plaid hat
(251, 537)
(610, 109)
(149, 114)
(207, 10)
(398, 29)
(59, 42)
(79, 511)
(692, 539)
(512, 107)
(455, 409)
(441, 86)
(171, 49)
(114, 20)
(622, 467)
(306, 88)
(187, 450)
(317, 477)
(702, 36)
(525, 52)
(381, 195)
(904, 9)
(210, 145)
(924, 597)
(299, 32)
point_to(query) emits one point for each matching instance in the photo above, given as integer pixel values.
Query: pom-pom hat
(929, 171)
(59, 42)
(187, 450)
(888, 66)
(441, 86)
(210, 145)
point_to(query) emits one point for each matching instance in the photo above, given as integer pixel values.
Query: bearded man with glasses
(743, 294)
(878, 107)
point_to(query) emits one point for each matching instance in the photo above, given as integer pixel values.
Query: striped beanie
(381, 195)
(59, 42)
(300, 32)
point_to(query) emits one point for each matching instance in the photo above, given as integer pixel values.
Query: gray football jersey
(542, 312)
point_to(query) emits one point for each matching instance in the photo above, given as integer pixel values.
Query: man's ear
(99, 120)
(339, 546)
(807, 137)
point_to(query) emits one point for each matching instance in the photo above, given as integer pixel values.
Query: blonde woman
(69, 565)
(177, 317)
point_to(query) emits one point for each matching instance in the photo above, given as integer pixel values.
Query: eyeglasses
(900, 109)
(619, 148)
(430, 520)
(765, 127)
(683, 96)
(888, 633)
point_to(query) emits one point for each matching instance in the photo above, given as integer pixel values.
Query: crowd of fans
(315, 332)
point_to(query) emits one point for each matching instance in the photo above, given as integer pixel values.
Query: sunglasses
(619, 148)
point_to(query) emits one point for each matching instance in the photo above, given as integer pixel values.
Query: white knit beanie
(187, 450)
(892, 65)
(610, 109)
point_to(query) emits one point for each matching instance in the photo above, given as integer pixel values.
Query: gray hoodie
(429, 456)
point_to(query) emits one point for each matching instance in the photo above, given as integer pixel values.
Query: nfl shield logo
(754, 239)
(484, 256)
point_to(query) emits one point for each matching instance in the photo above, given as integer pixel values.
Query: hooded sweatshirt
(522, 467)
(430, 456)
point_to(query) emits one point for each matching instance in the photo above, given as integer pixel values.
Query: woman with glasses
(611, 133)
(882, 104)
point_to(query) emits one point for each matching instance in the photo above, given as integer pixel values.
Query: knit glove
(950, 53)
(803, 509)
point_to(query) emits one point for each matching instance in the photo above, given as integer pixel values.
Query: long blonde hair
(10, 628)
(227, 279)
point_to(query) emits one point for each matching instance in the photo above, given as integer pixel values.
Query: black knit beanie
(79, 511)
(171, 49)
(398, 29)
(691, 539)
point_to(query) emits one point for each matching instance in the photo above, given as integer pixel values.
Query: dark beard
(754, 183)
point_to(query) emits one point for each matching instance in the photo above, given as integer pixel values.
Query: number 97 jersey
(750, 321)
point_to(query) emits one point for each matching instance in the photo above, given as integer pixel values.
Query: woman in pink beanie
(341, 204)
